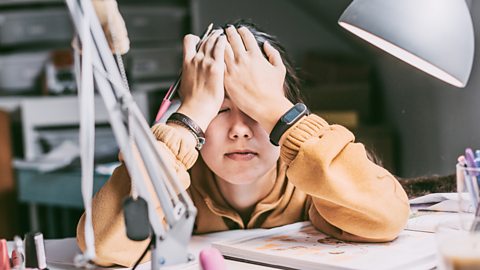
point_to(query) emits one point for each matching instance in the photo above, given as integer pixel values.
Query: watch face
(293, 113)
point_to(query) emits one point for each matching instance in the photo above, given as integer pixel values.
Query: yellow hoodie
(322, 176)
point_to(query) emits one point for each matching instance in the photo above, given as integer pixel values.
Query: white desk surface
(60, 252)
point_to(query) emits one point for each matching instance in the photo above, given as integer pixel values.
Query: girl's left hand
(254, 83)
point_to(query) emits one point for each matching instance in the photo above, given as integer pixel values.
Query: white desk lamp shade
(436, 36)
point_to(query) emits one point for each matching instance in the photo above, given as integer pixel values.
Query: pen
(18, 253)
(173, 89)
(468, 182)
(472, 170)
(4, 259)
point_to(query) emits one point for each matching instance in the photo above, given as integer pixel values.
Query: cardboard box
(341, 96)
(348, 119)
(317, 68)
(8, 197)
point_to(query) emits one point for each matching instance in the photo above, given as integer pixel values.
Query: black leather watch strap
(185, 121)
(286, 121)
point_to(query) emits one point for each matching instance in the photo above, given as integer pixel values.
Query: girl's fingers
(210, 43)
(219, 50)
(189, 43)
(229, 55)
(202, 43)
(273, 55)
(249, 40)
(235, 41)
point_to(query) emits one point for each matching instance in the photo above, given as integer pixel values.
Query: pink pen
(4, 258)
(211, 259)
(167, 100)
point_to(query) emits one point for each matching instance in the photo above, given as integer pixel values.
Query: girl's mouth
(241, 155)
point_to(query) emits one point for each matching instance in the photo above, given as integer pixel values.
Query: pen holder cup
(468, 181)
(458, 244)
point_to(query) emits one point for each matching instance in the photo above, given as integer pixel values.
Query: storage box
(21, 27)
(19, 72)
(153, 63)
(154, 22)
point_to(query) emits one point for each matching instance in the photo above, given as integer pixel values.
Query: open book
(301, 246)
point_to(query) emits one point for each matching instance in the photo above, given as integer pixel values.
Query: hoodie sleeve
(353, 198)
(111, 243)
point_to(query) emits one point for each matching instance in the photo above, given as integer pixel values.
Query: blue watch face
(293, 113)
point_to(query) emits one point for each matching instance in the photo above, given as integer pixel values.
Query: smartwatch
(286, 121)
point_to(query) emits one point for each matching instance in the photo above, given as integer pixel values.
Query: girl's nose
(240, 128)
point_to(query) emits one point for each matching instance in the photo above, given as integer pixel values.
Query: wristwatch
(286, 121)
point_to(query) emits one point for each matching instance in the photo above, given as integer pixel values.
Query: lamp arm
(138, 145)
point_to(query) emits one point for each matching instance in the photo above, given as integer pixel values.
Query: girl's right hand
(202, 89)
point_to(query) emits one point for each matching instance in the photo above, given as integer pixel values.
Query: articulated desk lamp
(96, 64)
(435, 36)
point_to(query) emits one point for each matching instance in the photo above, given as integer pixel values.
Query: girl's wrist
(199, 114)
(274, 113)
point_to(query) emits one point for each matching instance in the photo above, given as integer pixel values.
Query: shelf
(28, 2)
(12, 103)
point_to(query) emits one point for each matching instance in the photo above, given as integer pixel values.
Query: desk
(60, 188)
(60, 253)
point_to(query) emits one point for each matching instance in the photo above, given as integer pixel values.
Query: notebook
(301, 246)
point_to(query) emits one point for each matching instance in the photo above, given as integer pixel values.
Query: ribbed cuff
(182, 148)
(310, 126)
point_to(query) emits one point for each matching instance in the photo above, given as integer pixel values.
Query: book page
(301, 246)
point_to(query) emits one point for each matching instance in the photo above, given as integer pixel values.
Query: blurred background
(415, 124)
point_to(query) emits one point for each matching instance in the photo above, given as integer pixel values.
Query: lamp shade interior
(435, 36)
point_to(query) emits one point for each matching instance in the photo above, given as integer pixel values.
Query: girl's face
(237, 148)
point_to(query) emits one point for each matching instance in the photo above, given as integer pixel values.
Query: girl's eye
(223, 110)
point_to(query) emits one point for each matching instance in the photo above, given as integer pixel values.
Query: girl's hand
(201, 90)
(254, 83)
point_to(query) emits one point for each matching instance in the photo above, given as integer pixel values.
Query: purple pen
(470, 159)
(469, 180)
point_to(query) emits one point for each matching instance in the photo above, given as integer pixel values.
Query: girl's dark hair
(292, 82)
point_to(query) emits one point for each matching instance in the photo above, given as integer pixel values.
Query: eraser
(211, 259)
(40, 249)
